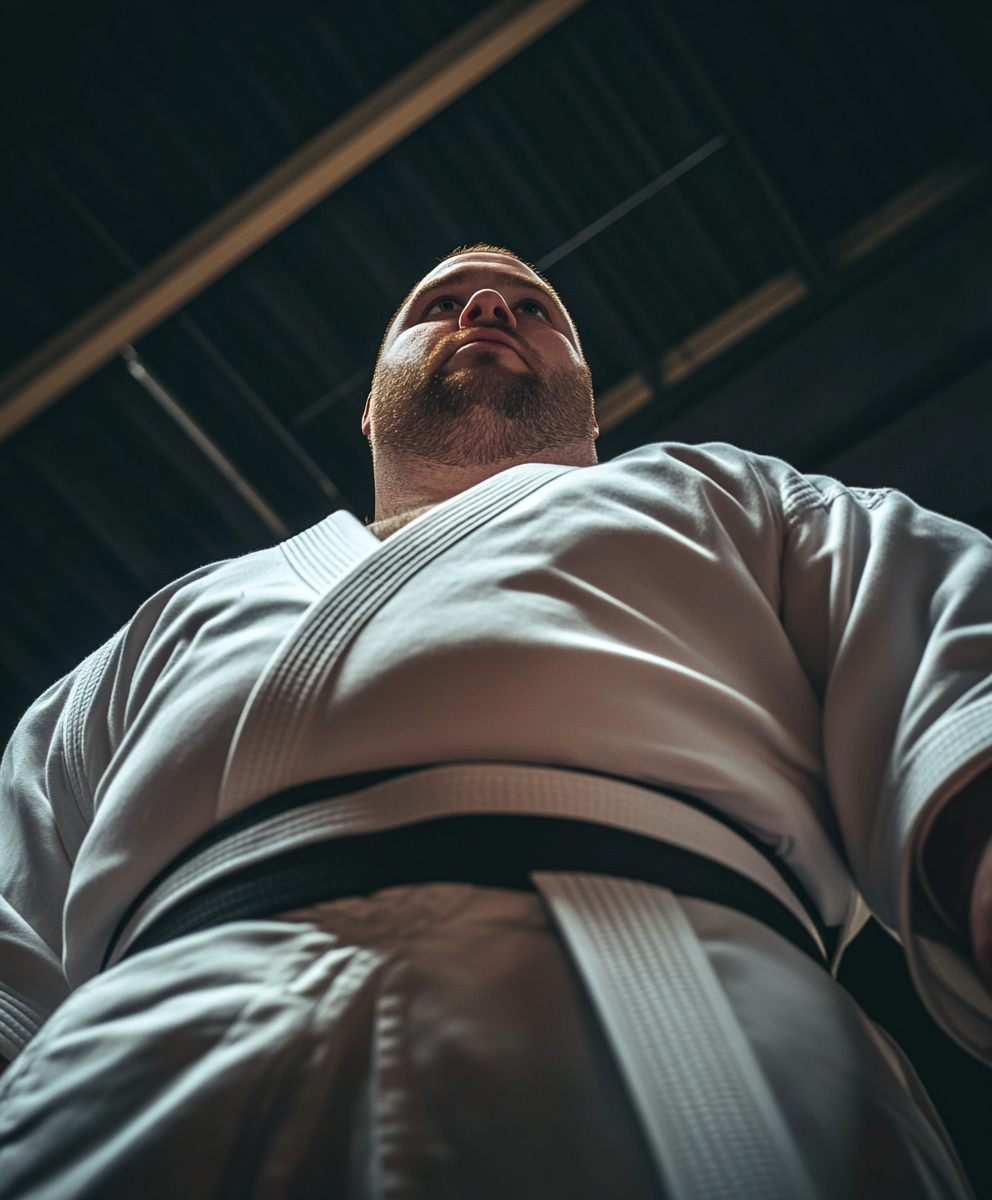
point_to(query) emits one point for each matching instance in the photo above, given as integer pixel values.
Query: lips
(489, 335)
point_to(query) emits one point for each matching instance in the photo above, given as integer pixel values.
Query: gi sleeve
(889, 608)
(47, 778)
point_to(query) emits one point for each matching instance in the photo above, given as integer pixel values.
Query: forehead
(502, 267)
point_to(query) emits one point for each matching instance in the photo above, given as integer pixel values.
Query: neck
(406, 482)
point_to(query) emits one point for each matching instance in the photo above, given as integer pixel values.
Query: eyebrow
(457, 277)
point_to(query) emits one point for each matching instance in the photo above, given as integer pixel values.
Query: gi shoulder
(794, 492)
(791, 491)
(879, 508)
(757, 484)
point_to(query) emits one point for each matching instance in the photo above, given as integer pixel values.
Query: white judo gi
(812, 661)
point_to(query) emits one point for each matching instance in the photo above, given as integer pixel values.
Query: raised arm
(889, 608)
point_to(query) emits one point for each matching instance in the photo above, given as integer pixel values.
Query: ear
(595, 430)
(366, 419)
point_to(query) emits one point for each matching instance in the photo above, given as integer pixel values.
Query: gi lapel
(323, 554)
(273, 722)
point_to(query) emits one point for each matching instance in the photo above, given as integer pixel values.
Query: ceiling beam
(282, 196)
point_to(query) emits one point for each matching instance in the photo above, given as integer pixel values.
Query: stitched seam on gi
(321, 555)
(870, 497)
(957, 743)
(803, 492)
(798, 496)
(75, 715)
(19, 1019)
(947, 752)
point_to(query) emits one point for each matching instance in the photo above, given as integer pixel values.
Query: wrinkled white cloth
(813, 660)
(429, 1042)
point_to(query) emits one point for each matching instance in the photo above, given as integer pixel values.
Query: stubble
(480, 415)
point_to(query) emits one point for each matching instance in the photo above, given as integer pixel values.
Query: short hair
(476, 248)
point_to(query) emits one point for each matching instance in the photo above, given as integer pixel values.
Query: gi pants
(427, 1041)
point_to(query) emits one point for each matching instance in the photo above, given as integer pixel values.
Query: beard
(480, 415)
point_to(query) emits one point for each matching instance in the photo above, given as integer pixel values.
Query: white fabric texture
(427, 1041)
(814, 661)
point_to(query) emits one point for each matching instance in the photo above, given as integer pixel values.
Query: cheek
(413, 345)
(558, 351)
(575, 358)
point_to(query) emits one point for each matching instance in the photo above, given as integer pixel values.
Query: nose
(487, 307)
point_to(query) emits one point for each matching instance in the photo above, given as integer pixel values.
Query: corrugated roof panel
(156, 115)
(846, 101)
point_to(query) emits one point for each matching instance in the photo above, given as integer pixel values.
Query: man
(350, 866)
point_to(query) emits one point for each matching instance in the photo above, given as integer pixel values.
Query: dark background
(853, 182)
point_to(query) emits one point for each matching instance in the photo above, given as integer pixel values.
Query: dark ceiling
(815, 283)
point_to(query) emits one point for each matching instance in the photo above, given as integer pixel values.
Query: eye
(443, 304)
(533, 308)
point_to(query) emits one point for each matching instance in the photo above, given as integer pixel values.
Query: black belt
(493, 850)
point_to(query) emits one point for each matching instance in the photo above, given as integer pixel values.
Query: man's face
(481, 364)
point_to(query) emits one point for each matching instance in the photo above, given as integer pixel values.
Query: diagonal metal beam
(192, 330)
(294, 187)
(627, 206)
(205, 444)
